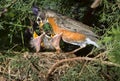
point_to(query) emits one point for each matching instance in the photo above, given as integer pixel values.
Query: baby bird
(41, 39)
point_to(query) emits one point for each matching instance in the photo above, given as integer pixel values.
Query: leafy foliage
(111, 39)
(91, 72)
(14, 22)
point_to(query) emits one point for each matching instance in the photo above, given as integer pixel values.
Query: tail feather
(89, 41)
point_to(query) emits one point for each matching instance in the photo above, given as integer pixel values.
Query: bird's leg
(56, 42)
(81, 47)
(75, 50)
(35, 42)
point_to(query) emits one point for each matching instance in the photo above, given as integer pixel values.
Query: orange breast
(55, 27)
(67, 35)
(72, 36)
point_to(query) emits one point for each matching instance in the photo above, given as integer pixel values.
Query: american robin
(41, 39)
(72, 31)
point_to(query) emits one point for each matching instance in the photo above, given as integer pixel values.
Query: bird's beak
(35, 35)
(41, 24)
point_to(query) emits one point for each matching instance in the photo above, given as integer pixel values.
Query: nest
(26, 66)
(43, 66)
(48, 71)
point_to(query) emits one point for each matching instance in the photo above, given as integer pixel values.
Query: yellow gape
(35, 35)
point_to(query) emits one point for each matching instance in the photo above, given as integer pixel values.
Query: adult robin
(72, 31)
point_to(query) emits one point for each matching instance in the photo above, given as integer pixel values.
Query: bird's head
(41, 16)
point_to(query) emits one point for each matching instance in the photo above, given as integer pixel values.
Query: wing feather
(72, 25)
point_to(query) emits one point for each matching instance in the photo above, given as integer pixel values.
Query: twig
(83, 68)
(95, 4)
(12, 47)
(33, 65)
(78, 58)
(101, 54)
(7, 74)
(72, 52)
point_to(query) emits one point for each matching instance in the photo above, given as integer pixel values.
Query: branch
(78, 58)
